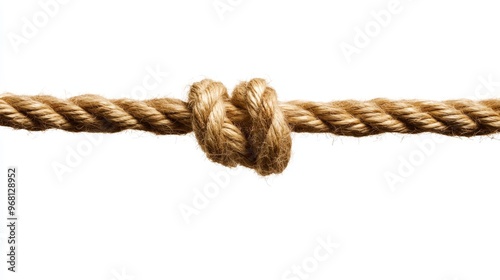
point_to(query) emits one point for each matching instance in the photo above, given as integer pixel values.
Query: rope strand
(251, 127)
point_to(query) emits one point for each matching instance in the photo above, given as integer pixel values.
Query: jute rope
(250, 128)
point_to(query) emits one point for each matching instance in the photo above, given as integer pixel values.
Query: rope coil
(250, 127)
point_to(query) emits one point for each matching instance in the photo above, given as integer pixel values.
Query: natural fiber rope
(251, 127)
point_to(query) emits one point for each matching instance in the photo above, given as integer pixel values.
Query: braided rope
(250, 128)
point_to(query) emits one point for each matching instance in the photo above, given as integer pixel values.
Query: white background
(396, 207)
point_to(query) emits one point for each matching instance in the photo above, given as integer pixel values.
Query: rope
(250, 128)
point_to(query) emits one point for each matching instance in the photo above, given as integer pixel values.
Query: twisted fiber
(250, 127)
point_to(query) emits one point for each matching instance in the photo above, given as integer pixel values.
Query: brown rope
(251, 127)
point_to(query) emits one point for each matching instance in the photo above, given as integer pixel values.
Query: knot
(260, 140)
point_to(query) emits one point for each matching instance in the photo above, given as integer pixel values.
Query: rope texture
(250, 127)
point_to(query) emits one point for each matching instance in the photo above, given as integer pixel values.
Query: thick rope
(251, 127)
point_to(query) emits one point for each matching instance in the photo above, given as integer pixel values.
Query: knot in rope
(261, 142)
